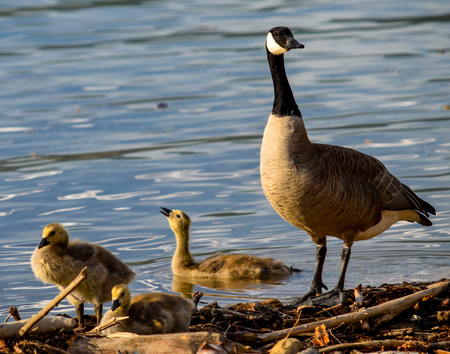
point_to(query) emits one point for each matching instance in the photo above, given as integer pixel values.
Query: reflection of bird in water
(185, 285)
(148, 313)
(231, 266)
(326, 190)
(58, 262)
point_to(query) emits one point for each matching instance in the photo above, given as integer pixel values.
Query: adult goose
(152, 313)
(325, 190)
(58, 261)
(225, 266)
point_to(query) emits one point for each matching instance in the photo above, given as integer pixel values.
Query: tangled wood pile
(412, 317)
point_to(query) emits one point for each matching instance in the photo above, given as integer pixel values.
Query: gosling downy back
(58, 261)
(231, 266)
(151, 313)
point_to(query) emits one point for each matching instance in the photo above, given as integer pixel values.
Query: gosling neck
(284, 103)
(182, 257)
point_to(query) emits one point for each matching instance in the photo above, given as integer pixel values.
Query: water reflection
(223, 287)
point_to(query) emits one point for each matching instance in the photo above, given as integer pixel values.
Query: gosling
(154, 313)
(232, 266)
(58, 262)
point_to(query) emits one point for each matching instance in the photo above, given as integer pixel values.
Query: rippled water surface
(112, 109)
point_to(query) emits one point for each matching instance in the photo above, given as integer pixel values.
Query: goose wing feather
(369, 172)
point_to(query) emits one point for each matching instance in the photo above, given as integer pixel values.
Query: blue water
(112, 109)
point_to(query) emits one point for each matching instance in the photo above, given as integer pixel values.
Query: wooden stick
(33, 320)
(368, 345)
(111, 322)
(397, 306)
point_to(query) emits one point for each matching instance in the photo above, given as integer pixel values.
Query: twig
(368, 345)
(33, 320)
(395, 306)
(111, 322)
(238, 314)
(299, 313)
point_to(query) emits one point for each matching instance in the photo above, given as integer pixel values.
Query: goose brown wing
(371, 172)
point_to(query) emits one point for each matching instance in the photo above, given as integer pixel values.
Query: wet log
(388, 310)
(183, 343)
(48, 324)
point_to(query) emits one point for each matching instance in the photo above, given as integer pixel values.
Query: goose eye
(275, 34)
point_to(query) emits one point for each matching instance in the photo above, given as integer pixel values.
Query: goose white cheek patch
(273, 46)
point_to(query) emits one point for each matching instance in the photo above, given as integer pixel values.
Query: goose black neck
(284, 103)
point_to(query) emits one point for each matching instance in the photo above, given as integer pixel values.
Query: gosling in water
(231, 266)
(58, 262)
(148, 313)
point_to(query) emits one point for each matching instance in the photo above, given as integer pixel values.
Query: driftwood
(46, 325)
(183, 343)
(389, 309)
(33, 320)
(370, 345)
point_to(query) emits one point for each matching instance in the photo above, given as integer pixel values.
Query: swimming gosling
(152, 313)
(58, 262)
(326, 190)
(231, 266)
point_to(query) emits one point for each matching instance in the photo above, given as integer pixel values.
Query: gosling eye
(178, 216)
(52, 233)
(123, 293)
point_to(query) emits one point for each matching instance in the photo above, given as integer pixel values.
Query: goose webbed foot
(316, 290)
(332, 298)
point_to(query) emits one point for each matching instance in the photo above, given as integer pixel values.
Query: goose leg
(80, 313)
(98, 312)
(335, 296)
(345, 257)
(316, 285)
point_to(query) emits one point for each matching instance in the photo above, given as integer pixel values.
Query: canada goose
(325, 190)
(58, 262)
(148, 313)
(236, 266)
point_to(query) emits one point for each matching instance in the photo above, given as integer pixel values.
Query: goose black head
(281, 40)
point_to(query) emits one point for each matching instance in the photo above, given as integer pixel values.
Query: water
(112, 109)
